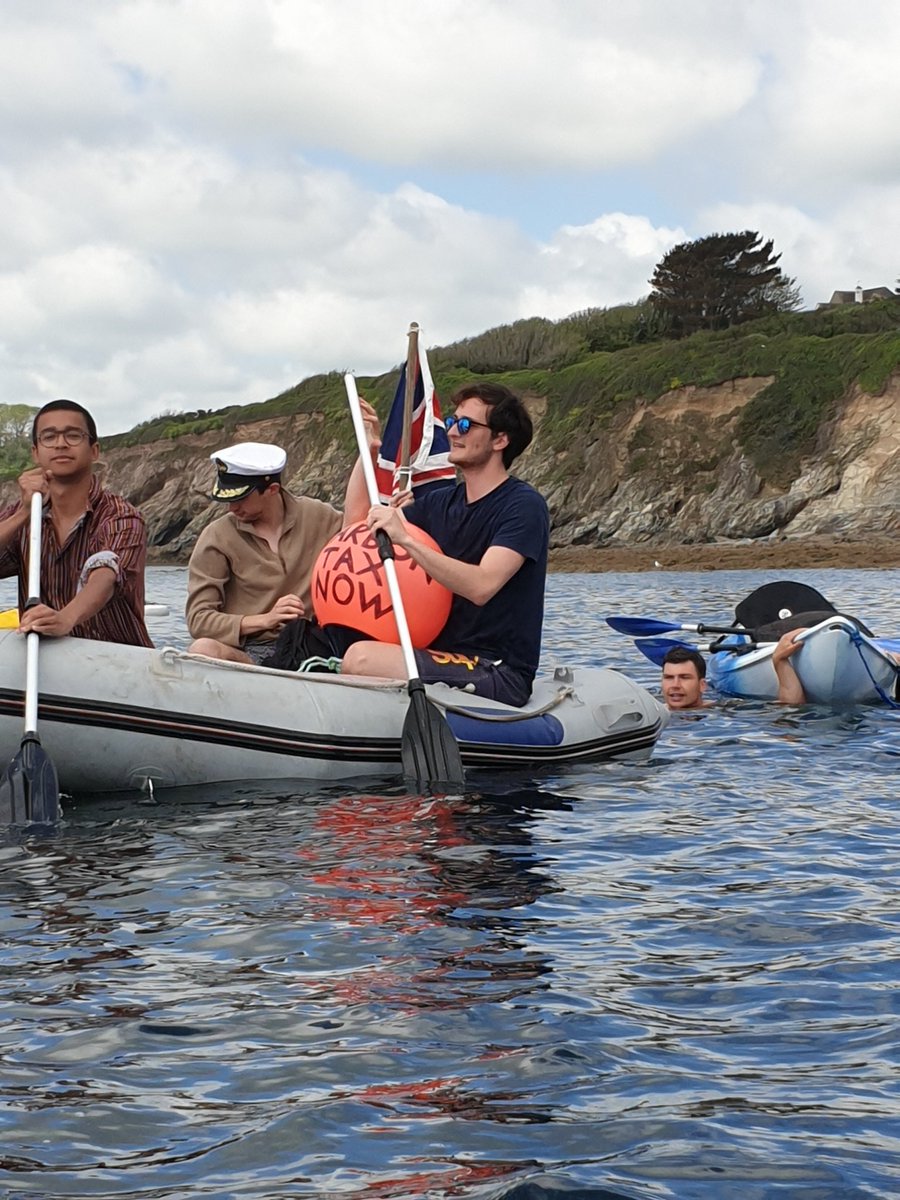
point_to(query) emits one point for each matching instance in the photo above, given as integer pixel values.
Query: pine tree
(718, 281)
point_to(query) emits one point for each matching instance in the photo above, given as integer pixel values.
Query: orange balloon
(349, 587)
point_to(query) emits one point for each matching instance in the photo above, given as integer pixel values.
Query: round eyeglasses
(463, 424)
(72, 437)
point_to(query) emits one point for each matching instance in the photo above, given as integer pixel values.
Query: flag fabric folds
(429, 447)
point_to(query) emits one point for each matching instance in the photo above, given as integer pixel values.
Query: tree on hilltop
(718, 281)
(15, 438)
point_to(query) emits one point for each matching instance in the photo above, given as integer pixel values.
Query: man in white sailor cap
(251, 570)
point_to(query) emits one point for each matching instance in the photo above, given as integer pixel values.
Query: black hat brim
(229, 488)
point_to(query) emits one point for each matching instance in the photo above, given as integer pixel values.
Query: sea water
(678, 979)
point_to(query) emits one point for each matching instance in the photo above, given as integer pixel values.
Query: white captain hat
(246, 467)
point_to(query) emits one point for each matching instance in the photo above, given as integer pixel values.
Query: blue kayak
(838, 664)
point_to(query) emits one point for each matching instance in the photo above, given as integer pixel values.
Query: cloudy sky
(205, 201)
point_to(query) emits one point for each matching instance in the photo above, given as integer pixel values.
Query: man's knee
(215, 649)
(373, 658)
(208, 646)
(356, 659)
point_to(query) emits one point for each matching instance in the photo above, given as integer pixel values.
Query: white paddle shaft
(32, 641)
(390, 569)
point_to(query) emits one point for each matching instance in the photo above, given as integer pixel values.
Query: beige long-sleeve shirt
(234, 573)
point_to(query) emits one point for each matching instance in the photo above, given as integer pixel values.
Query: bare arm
(94, 596)
(790, 689)
(117, 562)
(477, 582)
(29, 482)
(356, 497)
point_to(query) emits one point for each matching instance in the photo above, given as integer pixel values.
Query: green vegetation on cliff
(591, 364)
(15, 439)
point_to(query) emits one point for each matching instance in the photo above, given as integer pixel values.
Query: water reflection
(309, 954)
(648, 981)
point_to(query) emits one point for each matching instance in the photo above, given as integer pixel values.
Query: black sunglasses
(463, 424)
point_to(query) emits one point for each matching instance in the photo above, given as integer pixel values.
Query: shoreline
(879, 553)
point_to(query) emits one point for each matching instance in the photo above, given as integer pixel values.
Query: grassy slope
(813, 359)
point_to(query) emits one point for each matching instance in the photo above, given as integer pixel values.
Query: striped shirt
(110, 534)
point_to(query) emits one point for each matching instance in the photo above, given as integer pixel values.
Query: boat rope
(502, 718)
(857, 640)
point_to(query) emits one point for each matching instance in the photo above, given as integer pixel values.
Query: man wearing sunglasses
(93, 542)
(493, 530)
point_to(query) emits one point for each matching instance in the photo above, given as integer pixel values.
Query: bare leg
(213, 649)
(374, 658)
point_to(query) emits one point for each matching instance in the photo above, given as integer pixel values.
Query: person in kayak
(493, 530)
(250, 571)
(93, 542)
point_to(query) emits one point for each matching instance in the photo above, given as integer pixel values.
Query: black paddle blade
(29, 788)
(428, 749)
(777, 600)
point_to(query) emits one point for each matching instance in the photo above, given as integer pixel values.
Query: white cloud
(834, 95)
(467, 84)
(203, 204)
(599, 265)
(855, 245)
(56, 80)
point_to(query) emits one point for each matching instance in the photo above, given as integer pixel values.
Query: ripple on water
(670, 980)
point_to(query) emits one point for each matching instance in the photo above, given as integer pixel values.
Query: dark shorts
(257, 650)
(469, 673)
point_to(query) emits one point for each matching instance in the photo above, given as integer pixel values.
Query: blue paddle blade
(656, 649)
(638, 627)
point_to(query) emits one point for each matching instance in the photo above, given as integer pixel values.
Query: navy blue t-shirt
(513, 515)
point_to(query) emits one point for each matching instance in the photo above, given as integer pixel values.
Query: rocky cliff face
(674, 472)
(661, 473)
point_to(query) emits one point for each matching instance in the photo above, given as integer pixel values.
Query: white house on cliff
(861, 295)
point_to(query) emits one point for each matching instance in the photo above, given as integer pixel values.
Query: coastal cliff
(675, 472)
(657, 474)
(775, 432)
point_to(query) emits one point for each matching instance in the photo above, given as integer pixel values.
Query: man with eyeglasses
(93, 542)
(493, 530)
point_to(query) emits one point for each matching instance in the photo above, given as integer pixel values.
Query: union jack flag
(429, 446)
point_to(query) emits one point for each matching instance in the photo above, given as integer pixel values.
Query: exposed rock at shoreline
(764, 555)
(645, 482)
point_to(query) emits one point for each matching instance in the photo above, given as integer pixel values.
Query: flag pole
(404, 470)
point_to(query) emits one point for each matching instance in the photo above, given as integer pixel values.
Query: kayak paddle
(428, 749)
(656, 648)
(29, 788)
(768, 604)
(648, 627)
